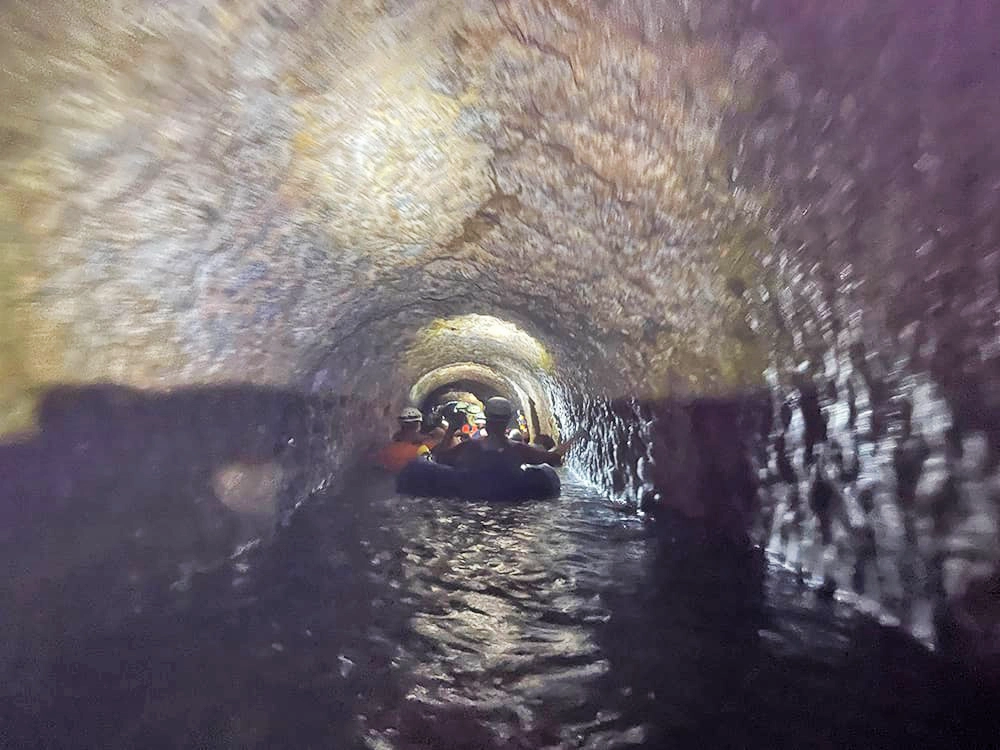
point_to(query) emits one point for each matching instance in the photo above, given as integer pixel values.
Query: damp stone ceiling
(668, 197)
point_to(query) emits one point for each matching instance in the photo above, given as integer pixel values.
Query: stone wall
(678, 201)
(123, 494)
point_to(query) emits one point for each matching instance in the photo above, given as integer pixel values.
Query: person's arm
(442, 454)
(433, 438)
(445, 443)
(563, 448)
(530, 455)
(535, 456)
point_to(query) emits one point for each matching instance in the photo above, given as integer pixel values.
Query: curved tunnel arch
(474, 391)
(489, 350)
(454, 373)
(530, 397)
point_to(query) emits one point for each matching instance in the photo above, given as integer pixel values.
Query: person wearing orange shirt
(407, 443)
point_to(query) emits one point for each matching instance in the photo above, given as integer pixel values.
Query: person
(458, 416)
(431, 430)
(544, 442)
(410, 420)
(496, 451)
(480, 428)
(407, 443)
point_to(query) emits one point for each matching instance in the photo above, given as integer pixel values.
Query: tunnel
(749, 249)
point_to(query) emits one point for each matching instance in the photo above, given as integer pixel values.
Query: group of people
(469, 439)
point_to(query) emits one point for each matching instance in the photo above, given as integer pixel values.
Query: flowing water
(392, 622)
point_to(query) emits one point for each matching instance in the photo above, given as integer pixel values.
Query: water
(390, 622)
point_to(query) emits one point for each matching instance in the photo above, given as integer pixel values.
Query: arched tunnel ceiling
(485, 349)
(485, 339)
(669, 196)
(527, 393)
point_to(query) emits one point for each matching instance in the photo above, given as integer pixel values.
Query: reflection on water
(418, 623)
(507, 610)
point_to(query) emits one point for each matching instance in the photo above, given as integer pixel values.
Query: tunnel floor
(394, 622)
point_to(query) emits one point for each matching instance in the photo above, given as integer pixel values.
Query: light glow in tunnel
(487, 350)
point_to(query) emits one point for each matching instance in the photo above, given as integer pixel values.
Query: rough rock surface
(673, 199)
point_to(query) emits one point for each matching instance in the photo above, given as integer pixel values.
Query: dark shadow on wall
(123, 493)
(268, 648)
(124, 496)
(694, 460)
(871, 501)
(715, 654)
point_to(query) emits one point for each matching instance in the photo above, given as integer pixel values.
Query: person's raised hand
(563, 447)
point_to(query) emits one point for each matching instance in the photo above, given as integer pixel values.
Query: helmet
(411, 414)
(454, 412)
(498, 408)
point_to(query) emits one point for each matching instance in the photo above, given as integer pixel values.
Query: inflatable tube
(428, 479)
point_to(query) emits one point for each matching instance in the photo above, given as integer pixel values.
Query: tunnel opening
(486, 355)
(477, 394)
(480, 393)
(468, 389)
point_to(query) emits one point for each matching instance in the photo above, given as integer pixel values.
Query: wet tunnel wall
(750, 246)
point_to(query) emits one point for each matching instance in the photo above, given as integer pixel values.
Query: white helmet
(410, 414)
